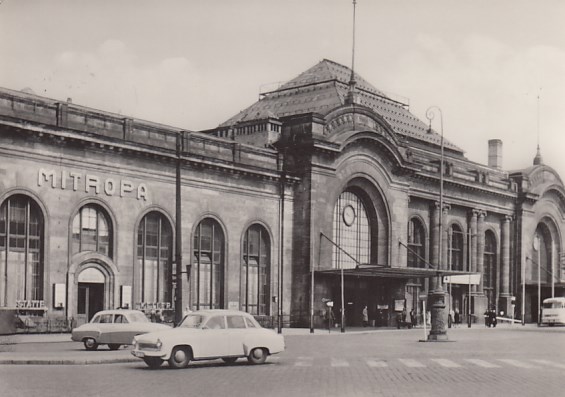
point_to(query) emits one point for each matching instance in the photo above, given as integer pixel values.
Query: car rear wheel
(114, 346)
(90, 344)
(229, 360)
(180, 357)
(257, 355)
(153, 362)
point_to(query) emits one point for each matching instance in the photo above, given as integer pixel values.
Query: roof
(323, 88)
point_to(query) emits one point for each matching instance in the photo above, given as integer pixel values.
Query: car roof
(118, 311)
(224, 312)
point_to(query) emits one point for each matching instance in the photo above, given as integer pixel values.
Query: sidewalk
(58, 349)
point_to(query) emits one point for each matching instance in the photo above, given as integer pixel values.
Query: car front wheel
(153, 362)
(257, 356)
(180, 357)
(90, 344)
(114, 346)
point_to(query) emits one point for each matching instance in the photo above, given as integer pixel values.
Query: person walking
(365, 316)
(456, 318)
(413, 318)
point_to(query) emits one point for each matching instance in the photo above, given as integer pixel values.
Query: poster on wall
(59, 294)
(125, 299)
(398, 305)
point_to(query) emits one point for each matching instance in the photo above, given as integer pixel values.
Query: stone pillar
(505, 302)
(434, 257)
(481, 250)
(473, 247)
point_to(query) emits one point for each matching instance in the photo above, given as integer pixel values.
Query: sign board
(125, 298)
(473, 279)
(59, 295)
(398, 305)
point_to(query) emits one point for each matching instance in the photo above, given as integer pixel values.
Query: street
(478, 361)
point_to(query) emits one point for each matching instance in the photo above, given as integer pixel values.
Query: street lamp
(438, 330)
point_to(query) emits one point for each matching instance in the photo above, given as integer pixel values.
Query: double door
(90, 301)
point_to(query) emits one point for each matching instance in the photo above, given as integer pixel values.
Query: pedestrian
(413, 317)
(450, 318)
(428, 317)
(404, 315)
(365, 316)
(153, 316)
(456, 317)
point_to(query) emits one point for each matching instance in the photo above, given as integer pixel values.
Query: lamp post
(178, 231)
(438, 330)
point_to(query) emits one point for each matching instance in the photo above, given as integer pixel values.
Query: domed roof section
(323, 88)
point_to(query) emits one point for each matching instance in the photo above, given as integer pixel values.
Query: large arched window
(542, 253)
(256, 268)
(455, 248)
(21, 250)
(416, 244)
(154, 257)
(208, 262)
(351, 231)
(489, 267)
(92, 231)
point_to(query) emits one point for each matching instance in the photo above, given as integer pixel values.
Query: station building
(323, 182)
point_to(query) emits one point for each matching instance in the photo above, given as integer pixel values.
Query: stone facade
(329, 180)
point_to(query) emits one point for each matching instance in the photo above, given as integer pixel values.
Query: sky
(495, 68)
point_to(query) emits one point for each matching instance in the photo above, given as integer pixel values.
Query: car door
(105, 326)
(236, 333)
(121, 332)
(212, 341)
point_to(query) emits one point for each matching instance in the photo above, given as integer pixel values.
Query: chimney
(495, 153)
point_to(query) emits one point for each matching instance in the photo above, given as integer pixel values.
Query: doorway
(90, 299)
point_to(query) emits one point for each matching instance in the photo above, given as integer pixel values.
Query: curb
(47, 361)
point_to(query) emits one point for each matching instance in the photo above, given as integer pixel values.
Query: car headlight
(134, 343)
(158, 344)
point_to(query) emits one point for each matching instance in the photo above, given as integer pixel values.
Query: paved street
(478, 361)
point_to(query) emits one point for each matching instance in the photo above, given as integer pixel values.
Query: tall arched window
(256, 268)
(545, 255)
(208, 262)
(416, 244)
(92, 231)
(21, 249)
(154, 257)
(455, 248)
(489, 267)
(351, 231)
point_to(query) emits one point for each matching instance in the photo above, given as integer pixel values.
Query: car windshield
(192, 321)
(138, 318)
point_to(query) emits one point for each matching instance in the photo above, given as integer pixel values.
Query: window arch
(256, 270)
(455, 247)
(92, 231)
(21, 249)
(416, 244)
(351, 231)
(489, 266)
(154, 257)
(208, 261)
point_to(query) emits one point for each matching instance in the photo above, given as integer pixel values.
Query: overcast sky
(193, 64)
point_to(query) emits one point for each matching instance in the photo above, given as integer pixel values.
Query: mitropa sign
(472, 279)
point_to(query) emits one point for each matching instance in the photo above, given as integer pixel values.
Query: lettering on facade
(144, 306)
(32, 304)
(91, 183)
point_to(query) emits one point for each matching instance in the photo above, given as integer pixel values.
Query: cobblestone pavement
(492, 362)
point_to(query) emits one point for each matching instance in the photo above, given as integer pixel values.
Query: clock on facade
(348, 215)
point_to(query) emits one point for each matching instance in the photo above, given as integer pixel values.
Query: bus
(553, 311)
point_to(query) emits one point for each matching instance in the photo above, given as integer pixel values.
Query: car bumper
(148, 353)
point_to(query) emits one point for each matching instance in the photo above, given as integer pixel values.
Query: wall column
(473, 247)
(481, 249)
(505, 268)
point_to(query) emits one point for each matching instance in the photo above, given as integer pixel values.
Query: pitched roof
(323, 88)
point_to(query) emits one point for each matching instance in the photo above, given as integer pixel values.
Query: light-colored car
(114, 328)
(207, 335)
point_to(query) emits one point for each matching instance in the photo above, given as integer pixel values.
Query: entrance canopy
(395, 272)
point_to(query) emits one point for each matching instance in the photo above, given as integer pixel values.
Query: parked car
(206, 335)
(114, 328)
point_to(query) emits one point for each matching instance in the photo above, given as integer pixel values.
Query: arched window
(542, 253)
(489, 267)
(21, 249)
(154, 257)
(256, 269)
(351, 231)
(92, 231)
(208, 261)
(455, 248)
(416, 244)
